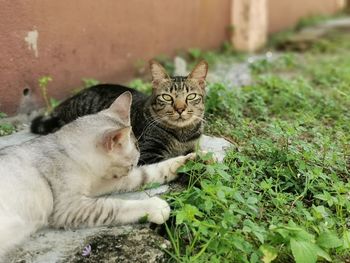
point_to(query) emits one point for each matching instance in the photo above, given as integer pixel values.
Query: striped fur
(155, 121)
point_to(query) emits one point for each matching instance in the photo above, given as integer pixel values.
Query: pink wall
(97, 39)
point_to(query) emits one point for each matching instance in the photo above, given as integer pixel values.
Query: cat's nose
(180, 110)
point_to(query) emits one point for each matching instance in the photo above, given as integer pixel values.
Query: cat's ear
(158, 72)
(121, 107)
(114, 137)
(200, 71)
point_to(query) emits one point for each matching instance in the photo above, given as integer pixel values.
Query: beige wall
(98, 39)
(284, 14)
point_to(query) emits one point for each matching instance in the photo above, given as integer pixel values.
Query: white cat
(57, 180)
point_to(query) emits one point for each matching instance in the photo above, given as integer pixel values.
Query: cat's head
(106, 139)
(118, 141)
(178, 101)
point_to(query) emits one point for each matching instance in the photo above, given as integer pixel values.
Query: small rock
(217, 146)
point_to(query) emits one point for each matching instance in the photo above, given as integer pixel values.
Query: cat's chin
(183, 123)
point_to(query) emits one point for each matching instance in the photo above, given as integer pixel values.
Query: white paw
(181, 160)
(213, 158)
(158, 211)
(190, 156)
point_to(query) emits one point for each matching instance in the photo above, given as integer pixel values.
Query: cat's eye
(167, 97)
(191, 96)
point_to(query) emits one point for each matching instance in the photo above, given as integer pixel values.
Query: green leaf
(346, 239)
(88, 82)
(269, 252)
(143, 219)
(184, 169)
(328, 239)
(303, 251)
(187, 213)
(322, 253)
(307, 252)
(252, 200)
(238, 197)
(207, 156)
(224, 175)
(44, 81)
(301, 234)
(221, 195)
(195, 52)
(151, 186)
(208, 205)
(54, 103)
(210, 170)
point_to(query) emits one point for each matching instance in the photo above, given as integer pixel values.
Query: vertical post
(249, 23)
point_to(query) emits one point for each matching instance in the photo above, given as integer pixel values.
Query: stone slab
(108, 244)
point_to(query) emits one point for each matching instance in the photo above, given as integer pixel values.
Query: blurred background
(73, 43)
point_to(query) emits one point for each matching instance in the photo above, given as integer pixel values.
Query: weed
(281, 63)
(140, 85)
(167, 62)
(89, 82)
(43, 83)
(6, 128)
(50, 102)
(282, 194)
(311, 21)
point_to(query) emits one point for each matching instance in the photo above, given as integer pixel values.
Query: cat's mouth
(177, 120)
(181, 120)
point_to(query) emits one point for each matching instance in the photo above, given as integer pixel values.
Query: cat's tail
(13, 231)
(46, 124)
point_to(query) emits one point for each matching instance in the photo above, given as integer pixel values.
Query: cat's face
(178, 101)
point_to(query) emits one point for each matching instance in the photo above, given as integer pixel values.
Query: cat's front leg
(85, 211)
(161, 172)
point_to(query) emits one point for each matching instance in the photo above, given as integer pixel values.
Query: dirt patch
(138, 246)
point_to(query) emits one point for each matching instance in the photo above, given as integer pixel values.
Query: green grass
(306, 22)
(283, 192)
(6, 128)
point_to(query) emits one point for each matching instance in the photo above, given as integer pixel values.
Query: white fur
(57, 180)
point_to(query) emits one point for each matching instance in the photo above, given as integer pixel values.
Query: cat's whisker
(199, 118)
(150, 125)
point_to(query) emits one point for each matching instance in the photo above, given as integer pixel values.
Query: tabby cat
(58, 180)
(167, 123)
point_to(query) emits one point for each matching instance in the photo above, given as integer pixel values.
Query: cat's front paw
(207, 157)
(158, 211)
(179, 161)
